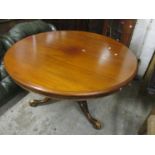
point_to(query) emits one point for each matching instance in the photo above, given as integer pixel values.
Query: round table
(70, 65)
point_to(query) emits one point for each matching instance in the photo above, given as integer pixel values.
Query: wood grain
(70, 64)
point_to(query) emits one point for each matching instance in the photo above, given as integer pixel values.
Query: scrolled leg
(84, 107)
(35, 103)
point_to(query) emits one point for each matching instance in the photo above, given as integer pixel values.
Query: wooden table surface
(70, 64)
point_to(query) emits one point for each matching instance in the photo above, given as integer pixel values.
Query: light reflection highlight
(104, 56)
(49, 38)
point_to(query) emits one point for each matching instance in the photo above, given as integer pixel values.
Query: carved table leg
(84, 107)
(34, 103)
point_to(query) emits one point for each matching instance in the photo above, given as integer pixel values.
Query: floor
(120, 113)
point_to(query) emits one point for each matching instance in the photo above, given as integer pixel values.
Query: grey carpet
(120, 113)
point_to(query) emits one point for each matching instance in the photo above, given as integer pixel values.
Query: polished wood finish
(84, 107)
(119, 29)
(70, 64)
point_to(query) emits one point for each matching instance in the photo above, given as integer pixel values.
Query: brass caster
(34, 103)
(96, 124)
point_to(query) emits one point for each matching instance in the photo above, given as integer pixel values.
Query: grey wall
(143, 43)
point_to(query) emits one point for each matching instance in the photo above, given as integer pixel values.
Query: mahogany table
(70, 65)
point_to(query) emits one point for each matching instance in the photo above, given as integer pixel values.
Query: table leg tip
(33, 103)
(97, 125)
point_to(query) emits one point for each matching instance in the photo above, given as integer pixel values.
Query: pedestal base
(83, 105)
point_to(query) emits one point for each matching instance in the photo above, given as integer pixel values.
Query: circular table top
(70, 64)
